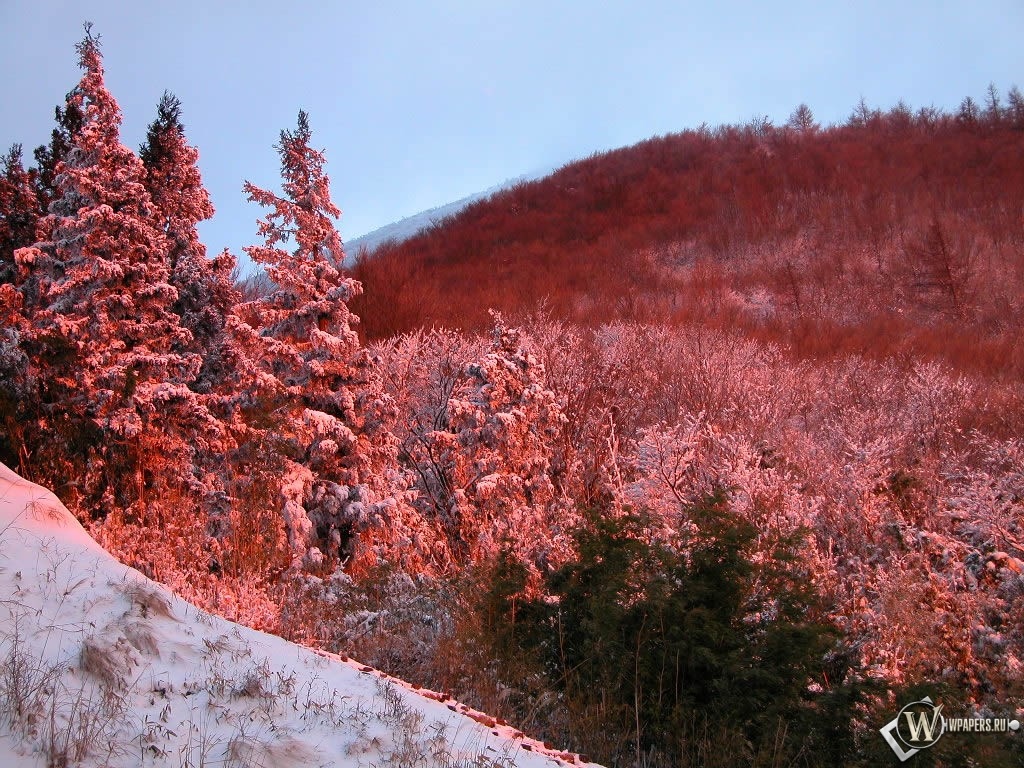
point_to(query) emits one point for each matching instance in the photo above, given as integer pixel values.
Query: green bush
(696, 654)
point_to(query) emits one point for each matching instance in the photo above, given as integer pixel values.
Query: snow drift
(101, 666)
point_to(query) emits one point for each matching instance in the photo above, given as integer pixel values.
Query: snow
(101, 666)
(411, 225)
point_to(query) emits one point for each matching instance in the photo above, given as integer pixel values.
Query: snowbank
(100, 666)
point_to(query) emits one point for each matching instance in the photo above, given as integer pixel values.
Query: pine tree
(307, 312)
(295, 353)
(18, 390)
(205, 287)
(18, 217)
(69, 120)
(103, 331)
(18, 211)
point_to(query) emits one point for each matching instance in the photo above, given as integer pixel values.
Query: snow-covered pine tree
(17, 386)
(19, 214)
(19, 211)
(47, 156)
(115, 405)
(205, 287)
(295, 354)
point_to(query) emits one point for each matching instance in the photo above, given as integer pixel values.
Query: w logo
(923, 730)
(917, 726)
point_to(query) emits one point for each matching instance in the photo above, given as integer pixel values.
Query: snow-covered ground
(410, 225)
(100, 666)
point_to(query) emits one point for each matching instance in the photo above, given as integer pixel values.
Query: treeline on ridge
(895, 231)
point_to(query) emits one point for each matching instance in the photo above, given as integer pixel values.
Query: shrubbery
(656, 649)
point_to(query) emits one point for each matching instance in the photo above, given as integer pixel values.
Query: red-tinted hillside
(905, 220)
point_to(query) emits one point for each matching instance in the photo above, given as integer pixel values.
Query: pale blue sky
(421, 103)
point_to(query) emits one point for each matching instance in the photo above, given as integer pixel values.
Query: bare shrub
(109, 662)
(150, 600)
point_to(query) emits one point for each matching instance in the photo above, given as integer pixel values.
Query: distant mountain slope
(894, 229)
(402, 230)
(101, 666)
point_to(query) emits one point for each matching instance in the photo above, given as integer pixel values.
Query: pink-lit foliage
(910, 518)
(480, 457)
(296, 366)
(248, 451)
(477, 429)
(912, 524)
(19, 211)
(205, 286)
(111, 355)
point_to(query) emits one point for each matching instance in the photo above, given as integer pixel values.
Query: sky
(420, 103)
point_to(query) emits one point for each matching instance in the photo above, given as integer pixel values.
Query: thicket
(656, 650)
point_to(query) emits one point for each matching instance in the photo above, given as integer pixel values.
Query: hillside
(897, 231)
(101, 666)
(401, 230)
(718, 463)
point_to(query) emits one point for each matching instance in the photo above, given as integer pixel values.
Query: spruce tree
(18, 211)
(294, 351)
(115, 398)
(18, 217)
(307, 312)
(69, 120)
(205, 287)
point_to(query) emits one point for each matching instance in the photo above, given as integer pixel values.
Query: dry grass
(149, 600)
(43, 704)
(110, 662)
(44, 508)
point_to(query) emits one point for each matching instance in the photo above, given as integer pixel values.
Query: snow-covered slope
(100, 666)
(409, 226)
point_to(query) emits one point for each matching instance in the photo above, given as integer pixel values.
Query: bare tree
(993, 105)
(939, 266)
(802, 121)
